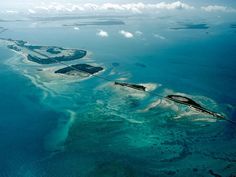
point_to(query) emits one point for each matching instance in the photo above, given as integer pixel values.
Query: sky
(123, 6)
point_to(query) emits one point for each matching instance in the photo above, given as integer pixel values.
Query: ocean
(53, 127)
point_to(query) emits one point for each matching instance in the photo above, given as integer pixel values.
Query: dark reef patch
(115, 64)
(183, 154)
(140, 65)
(233, 26)
(113, 169)
(214, 174)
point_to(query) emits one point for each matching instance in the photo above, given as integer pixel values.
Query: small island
(133, 86)
(44, 54)
(183, 100)
(78, 68)
(191, 103)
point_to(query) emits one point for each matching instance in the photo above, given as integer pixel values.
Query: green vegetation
(81, 67)
(45, 54)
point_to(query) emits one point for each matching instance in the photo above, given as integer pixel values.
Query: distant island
(45, 54)
(191, 26)
(2, 29)
(98, 23)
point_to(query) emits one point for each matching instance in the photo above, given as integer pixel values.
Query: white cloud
(31, 11)
(216, 8)
(174, 5)
(76, 28)
(126, 34)
(90, 6)
(118, 7)
(159, 36)
(12, 12)
(102, 33)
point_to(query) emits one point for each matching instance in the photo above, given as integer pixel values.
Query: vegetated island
(133, 86)
(175, 98)
(51, 54)
(44, 54)
(187, 101)
(78, 68)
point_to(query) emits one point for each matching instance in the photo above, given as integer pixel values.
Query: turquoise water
(90, 128)
(24, 121)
